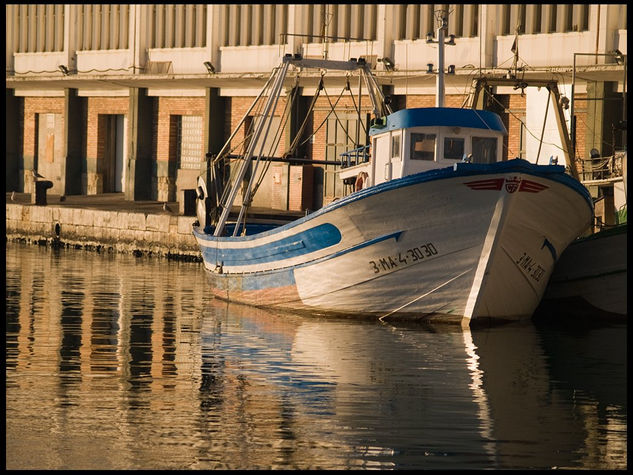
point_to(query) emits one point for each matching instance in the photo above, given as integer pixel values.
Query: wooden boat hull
(453, 244)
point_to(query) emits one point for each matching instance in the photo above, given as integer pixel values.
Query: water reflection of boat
(425, 232)
(411, 396)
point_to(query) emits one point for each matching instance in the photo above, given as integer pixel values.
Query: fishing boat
(437, 226)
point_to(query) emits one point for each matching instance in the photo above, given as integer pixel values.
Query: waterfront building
(129, 98)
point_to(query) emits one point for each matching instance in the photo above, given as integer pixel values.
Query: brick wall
(166, 125)
(428, 100)
(516, 105)
(236, 107)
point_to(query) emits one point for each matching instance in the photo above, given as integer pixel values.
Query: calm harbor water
(117, 362)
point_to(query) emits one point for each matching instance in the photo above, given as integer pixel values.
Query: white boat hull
(455, 244)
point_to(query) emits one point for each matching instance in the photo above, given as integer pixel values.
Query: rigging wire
(295, 142)
(524, 125)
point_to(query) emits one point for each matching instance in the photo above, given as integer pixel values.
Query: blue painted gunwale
(440, 116)
(306, 242)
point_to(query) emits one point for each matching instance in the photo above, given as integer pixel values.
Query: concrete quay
(109, 222)
(106, 222)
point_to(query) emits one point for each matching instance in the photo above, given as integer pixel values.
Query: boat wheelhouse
(412, 141)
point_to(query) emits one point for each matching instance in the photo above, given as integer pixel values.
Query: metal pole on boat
(237, 127)
(226, 207)
(439, 99)
(266, 118)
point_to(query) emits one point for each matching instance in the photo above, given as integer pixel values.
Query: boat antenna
(441, 17)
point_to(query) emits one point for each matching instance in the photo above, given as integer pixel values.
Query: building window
(453, 148)
(484, 149)
(422, 146)
(189, 142)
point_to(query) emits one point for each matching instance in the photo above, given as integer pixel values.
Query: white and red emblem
(512, 184)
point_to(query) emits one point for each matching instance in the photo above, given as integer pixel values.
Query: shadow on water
(122, 363)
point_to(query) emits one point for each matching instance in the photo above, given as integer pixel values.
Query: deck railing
(355, 157)
(602, 168)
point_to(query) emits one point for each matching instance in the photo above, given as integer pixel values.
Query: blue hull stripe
(285, 277)
(306, 242)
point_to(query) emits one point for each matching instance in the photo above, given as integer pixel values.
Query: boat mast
(264, 125)
(274, 94)
(443, 25)
(441, 16)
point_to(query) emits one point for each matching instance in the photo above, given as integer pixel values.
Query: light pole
(442, 18)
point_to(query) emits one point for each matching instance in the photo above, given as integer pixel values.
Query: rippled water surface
(117, 362)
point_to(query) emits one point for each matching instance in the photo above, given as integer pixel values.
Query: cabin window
(395, 146)
(422, 146)
(484, 150)
(453, 148)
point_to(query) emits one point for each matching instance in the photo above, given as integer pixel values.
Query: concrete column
(74, 121)
(343, 20)
(12, 151)
(427, 21)
(548, 12)
(384, 32)
(139, 146)
(214, 33)
(70, 28)
(488, 31)
(268, 30)
(213, 140)
(23, 41)
(179, 26)
(12, 35)
(201, 26)
(258, 20)
(233, 26)
(531, 27)
(412, 21)
(399, 22)
(245, 25)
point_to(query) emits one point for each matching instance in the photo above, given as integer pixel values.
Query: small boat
(590, 279)
(437, 226)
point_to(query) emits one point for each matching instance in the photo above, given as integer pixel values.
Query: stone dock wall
(122, 231)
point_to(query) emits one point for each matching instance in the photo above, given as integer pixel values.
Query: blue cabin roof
(439, 116)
